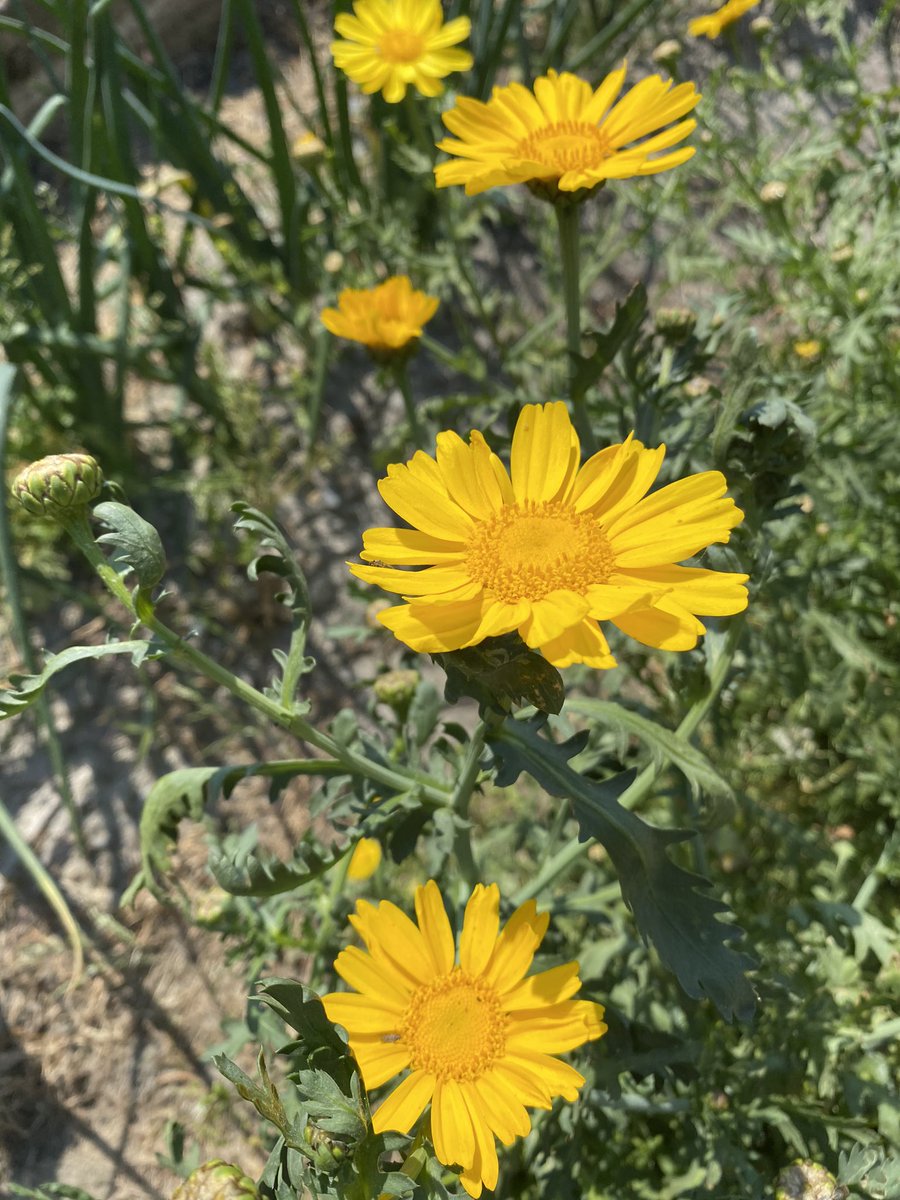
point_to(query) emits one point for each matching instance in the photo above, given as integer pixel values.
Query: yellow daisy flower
(365, 860)
(566, 133)
(549, 549)
(713, 23)
(391, 44)
(385, 318)
(477, 1036)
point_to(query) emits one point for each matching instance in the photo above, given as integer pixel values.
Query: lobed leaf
(136, 544)
(26, 688)
(666, 900)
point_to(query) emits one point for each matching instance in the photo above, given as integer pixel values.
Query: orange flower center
(527, 550)
(566, 146)
(401, 46)
(454, 1027)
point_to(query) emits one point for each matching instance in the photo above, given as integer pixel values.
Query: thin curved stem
(397, 778)
(567, 220)
(462, 795)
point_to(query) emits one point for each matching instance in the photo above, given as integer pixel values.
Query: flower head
(550, 548)
(713, 23)
(386, 318)
(391, 44)
(58, 485)
(476, 1035)
(565, 133)
(365, 860)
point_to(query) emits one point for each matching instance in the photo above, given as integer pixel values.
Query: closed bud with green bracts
(396, 689)
(808, 1180)
(327, 1153)
(59, 484)
(217, 1180)
(675, 324)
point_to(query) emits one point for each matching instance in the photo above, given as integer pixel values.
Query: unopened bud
(773, 192)
(217, 1180)
(396, 689)
(333, 261)
(761, 27)
(842, 254)
(58, 485)
(675, 324)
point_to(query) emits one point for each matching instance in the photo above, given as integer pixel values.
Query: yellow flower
(808, 350)
(393, 43)
(365, 859)
(549, 549)
(565, 133)
(384, 318)
(713, 23)
(477, 1037)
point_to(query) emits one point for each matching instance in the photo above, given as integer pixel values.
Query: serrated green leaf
(263, 1095)
(664, 744)
(318, 1044)
(668, 905)
(136, 544)
(250, 873)
(295, 663)
(26, 688)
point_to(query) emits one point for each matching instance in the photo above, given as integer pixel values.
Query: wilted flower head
(477, 1035)
(551, 548)
(713, 23)
(58, 484)
(391, 44)
(564, 135)
(385, 318)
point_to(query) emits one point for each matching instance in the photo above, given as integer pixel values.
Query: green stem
(576, 849)
(430, 791)
(462, 795)
(401, 378)
(54, 896)
(568, 217)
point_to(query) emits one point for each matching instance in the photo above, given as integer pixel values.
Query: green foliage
(785, 769)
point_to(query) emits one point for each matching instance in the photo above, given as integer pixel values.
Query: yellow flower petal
(545, 452)
(451, 1125)
(546, 988)
(405, 1104)
(379, 1061)
(357, 969)
(480, 926)
(435, 927)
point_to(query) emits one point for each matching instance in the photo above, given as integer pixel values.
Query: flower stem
(462, 795)
(567, 219)
(430, 792)
(402, 378)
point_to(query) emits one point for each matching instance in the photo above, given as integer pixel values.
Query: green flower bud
(807, 1180)
(217, 1180)
(58, 485)
(396, 689)
(675, 324)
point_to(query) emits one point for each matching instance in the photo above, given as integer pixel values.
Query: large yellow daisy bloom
(384, 318)
(713, 23)
(567, 133)
(551, 548)
(477, 1037)
(391, 44)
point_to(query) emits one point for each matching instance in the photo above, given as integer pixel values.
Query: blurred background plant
(162, 271)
